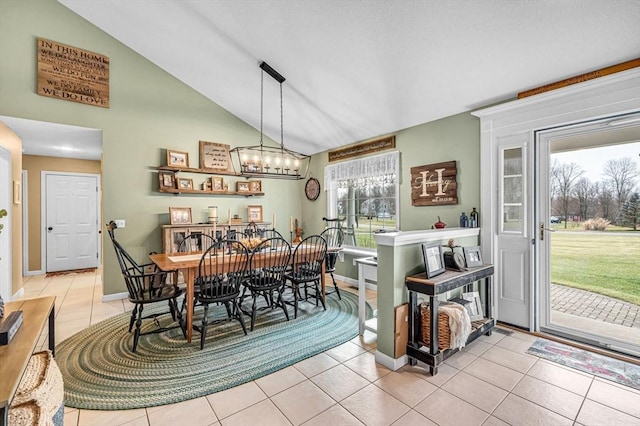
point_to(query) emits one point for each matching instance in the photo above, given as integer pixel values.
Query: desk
(432, 287)
(367, 270)
(15, 356)
(188, 263)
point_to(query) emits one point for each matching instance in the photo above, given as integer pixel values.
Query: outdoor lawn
(601, 262)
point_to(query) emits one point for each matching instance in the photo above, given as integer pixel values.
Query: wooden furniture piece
(188, 264)
(15, 356)
(173, 235)
(220, 274)
(433, 287)
(367, 271)
(146, 285)
(307, 261)
(175, 170)
(334, 237)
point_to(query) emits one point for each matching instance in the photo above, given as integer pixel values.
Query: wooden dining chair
(220, 275)
(306, 270)
(146, 285)
(266, 277)
(197, 242)
(334, 237)
(270, 233)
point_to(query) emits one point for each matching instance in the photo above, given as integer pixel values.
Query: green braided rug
(101, 373)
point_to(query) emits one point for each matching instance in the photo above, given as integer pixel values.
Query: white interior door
(5, 235)
(71, 223)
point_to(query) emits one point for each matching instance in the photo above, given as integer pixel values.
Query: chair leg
(280, 302)
(296, 289)
(203, 329)
(319, 295)
(239, 316)
(136, 334)
(253, 311)
(335, 285)
(134, 313)
(181, 322)
(172, 309)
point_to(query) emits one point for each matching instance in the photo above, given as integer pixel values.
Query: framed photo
(433, 259)
(215, 157)
(218, 183)
(476, 312)
(180, 215)
(255, 185)
(185, 183)
(242, 186)
(167, 180)
(177, 159)
(472, 256)
(254, 213)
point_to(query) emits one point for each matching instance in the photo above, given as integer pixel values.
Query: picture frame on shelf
(179, 159)
(180, 215)
(475, 309)
(472, 256)
(217, 183)
(433, 259)
(215, 157)
(254, 214)
(185, 183)
(167, 180)
(255, 186)
(242, 187)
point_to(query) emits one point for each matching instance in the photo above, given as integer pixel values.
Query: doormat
(71, 271)
(624, 373)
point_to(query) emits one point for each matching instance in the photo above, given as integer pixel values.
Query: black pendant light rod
(273, 73)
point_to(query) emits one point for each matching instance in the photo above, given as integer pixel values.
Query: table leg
(361, 300)
(189, 276)
(433, 327)
(52, 330)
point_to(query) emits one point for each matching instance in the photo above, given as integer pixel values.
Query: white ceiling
(358, 69)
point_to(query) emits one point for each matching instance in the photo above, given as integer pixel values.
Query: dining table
(188, 264)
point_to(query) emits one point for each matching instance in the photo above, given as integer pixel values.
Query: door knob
(50, 228)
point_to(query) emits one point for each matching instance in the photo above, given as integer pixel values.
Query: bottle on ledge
(474, 218)
(464, 221)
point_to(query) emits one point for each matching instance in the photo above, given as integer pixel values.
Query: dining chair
(220, 274)
(306, 269)
(266, 277)
(270, 233)
(146, 285)
(334, 237)
(252, 230)
(198, 242)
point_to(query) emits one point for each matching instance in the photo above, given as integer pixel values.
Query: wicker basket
(444, 332)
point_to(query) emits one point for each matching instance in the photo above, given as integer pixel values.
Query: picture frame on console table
(472, 256)
(180, 215)
(433, 259)
(254, 214)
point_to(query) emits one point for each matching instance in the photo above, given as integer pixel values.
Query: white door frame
(43, 213)
(7, 221)
(601, 97)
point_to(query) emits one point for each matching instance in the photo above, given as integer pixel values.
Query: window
(364, 194)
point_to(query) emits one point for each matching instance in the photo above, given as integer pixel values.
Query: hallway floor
(491, 382)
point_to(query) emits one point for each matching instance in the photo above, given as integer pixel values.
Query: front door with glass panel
(588, 246)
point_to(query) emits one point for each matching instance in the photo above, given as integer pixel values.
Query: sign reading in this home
(363, 148)
(434, 184)
(66, 72)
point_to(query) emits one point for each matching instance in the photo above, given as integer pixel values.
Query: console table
(15, 356)
(432, 287)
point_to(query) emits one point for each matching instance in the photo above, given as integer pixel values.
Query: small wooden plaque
(363, 148)
(434, 184)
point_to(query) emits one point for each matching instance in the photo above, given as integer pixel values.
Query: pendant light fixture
(270, 162)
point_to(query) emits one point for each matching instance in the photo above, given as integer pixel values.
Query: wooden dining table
(188, 264)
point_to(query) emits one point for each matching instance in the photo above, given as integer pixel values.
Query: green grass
(600, 262)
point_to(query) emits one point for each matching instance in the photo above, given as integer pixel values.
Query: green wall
(149, 111)
(452, 138)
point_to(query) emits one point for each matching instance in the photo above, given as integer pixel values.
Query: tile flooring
(491, 382)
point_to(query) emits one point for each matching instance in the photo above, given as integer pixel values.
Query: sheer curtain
(387, 165)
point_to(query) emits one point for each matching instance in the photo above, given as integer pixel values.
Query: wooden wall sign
(363, 148)
(434, 184)
(66, 72)
(580, 78)
(215, 157)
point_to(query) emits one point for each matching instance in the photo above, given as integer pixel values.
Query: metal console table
(433, 287)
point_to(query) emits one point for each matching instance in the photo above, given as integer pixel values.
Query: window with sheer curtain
(364, 194)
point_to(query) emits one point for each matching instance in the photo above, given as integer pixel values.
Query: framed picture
(472, 256)
(255, 185)
(254, 213)
(242, 186)
(215, 157)
(177, 158)
(476, 312)
(180, 215)
(167, 180)
(185, 183)
(433, 259)
(218, 183)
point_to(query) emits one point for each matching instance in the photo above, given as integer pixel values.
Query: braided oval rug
(101, 373)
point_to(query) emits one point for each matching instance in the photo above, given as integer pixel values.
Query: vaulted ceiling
(358, 69)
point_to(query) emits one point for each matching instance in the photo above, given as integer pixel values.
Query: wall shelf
(190, 170)
(203, 192)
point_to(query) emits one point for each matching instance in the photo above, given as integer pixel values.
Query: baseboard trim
(391, 363)
(114, 296)
(29, 273)
(354, 283)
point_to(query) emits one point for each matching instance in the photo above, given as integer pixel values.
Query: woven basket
(444, 332)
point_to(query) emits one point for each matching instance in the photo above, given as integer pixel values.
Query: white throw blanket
(459, 323)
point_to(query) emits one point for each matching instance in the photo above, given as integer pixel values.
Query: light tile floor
(491, 382)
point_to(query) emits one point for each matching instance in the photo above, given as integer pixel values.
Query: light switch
(120, 223)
